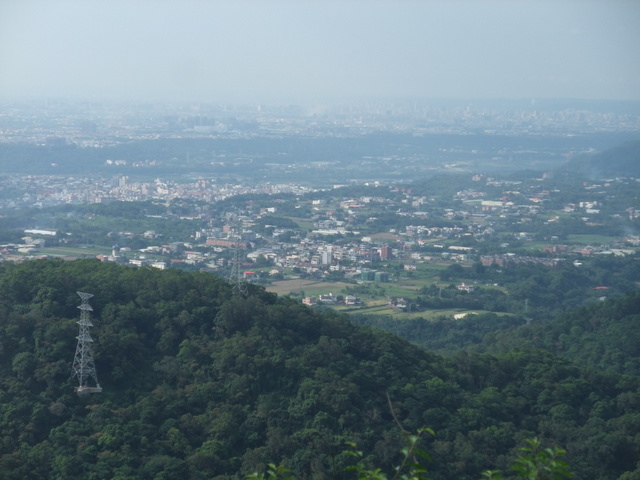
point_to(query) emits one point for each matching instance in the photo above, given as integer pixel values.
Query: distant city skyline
(315, 51)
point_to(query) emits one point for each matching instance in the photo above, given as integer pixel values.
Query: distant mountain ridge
(623, 161)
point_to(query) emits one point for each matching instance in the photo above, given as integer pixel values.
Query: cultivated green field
(373, 295)
(590, 239)
(309, 287)
(79, 252)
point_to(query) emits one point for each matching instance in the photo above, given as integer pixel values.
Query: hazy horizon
(305, 51)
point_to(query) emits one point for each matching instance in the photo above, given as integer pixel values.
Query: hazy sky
(265, 50)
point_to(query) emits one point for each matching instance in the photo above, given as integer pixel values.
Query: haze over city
(316, 51)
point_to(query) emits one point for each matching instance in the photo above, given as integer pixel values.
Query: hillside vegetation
(603, 335)
(200, 384)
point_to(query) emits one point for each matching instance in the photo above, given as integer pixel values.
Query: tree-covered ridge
(199, 384)
(445, 335)
(603, 335)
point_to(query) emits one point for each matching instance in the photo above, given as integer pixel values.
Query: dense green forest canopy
(200, 384)
(601, 335)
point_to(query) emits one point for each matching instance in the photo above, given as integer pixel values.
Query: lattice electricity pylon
(83, 365)
(236, 276)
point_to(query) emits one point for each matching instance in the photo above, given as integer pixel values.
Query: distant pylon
(83, 364)
(236, 276)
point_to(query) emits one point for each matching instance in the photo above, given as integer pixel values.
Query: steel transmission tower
(236, 277)
(83, 365)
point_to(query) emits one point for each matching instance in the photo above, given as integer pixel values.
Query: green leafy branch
(533, 463)
(274, 472)
(414, 469)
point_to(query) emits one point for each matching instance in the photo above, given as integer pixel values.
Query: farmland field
(78, 252)
(310, 287)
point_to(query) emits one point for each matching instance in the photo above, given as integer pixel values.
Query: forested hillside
(200, 384)
(603, 335)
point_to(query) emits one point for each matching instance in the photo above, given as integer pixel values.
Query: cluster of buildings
(425, 230)
(100, 124)
(53, 190)
(335, 248)
(345, 234)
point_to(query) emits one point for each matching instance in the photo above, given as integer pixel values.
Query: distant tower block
(83, 365)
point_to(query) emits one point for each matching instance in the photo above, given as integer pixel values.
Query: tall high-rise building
(327, 256)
